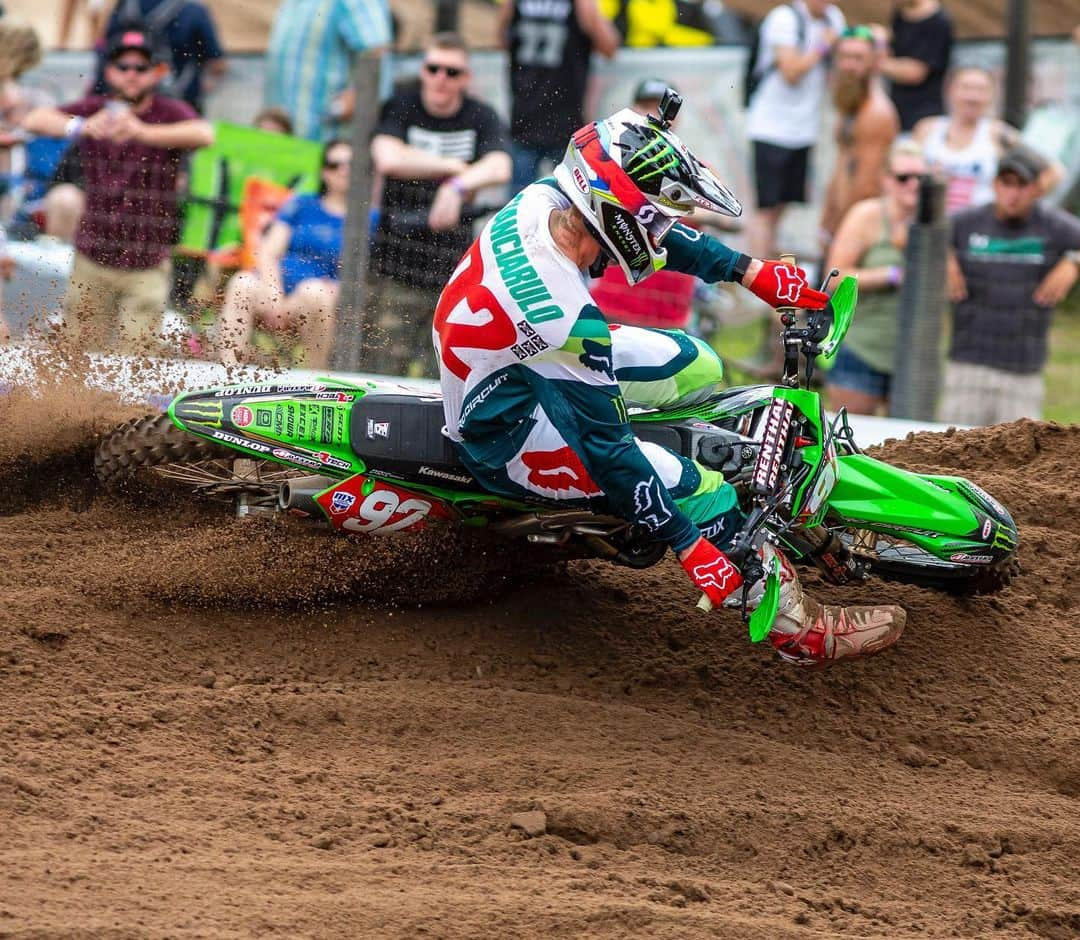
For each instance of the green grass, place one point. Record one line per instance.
(1063, 370)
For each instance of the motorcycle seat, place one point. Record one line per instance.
(402, 433)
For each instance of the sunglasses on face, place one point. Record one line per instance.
(452, 71)
(903, 178)
(335, 164)
(140, 67)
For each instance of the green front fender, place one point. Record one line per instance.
(923, 509)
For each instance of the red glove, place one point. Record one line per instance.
(712, 571)
(784, 285)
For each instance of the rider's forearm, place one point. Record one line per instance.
(693, 252)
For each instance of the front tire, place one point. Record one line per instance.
(895, 560)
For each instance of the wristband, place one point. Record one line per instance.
(73, 128)
(894, 276)
(824, 49)
(740, 267)
(456, 185)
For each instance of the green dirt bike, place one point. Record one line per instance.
(372, 458)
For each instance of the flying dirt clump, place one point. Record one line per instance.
(181, 551)
(48, 440)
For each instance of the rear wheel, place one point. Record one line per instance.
(893, 559)
(147, 454)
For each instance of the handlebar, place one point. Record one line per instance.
(805, 339)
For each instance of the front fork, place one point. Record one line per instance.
(824, 548)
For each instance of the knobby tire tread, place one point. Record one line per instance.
(148, 442)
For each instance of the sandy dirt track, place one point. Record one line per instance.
(185, 751)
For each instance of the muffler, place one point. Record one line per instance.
(299, 494)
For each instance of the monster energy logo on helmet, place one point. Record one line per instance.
(656, 157)
(623, 231)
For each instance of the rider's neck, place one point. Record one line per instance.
(568, 231)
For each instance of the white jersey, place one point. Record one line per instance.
(970, 172)
(514, 298)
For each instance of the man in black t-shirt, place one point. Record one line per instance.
(922, 38)
(1012, 262)
(434, 148)
(550, 43)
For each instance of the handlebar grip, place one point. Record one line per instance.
(705, 604)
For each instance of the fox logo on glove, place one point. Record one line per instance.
(715, 574)
(780, 284)
(789, 282)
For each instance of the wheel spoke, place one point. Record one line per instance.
(219, 478)
(878, 546)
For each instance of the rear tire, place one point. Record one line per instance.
(152, 460)
(149, 442)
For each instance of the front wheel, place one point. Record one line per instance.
(893, 559)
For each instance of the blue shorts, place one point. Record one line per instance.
(851, 372)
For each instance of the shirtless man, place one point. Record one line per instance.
(867, 125)
(965, 144)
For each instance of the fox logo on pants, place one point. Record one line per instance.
(789, 283)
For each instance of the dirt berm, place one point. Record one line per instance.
(211, 729)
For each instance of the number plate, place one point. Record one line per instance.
(360, 504)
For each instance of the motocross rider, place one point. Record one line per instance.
(536, 382)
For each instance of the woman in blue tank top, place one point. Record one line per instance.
(295, 283)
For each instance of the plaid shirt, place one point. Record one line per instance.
(131, 217)
(310, 52)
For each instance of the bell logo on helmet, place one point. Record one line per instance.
(580, 181)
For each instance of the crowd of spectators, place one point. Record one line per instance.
(120, 160)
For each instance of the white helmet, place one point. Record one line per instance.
(633, 178)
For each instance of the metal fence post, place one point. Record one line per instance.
(1017, 61)
(917, 373)
(446, 16)
(349, 334)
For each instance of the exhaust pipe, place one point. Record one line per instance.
(299, 494)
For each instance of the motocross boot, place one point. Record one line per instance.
(811, 634)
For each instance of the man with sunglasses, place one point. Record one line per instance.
(435, 147)
(867, 124)
(131, 142)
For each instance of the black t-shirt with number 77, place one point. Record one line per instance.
(549, 66)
